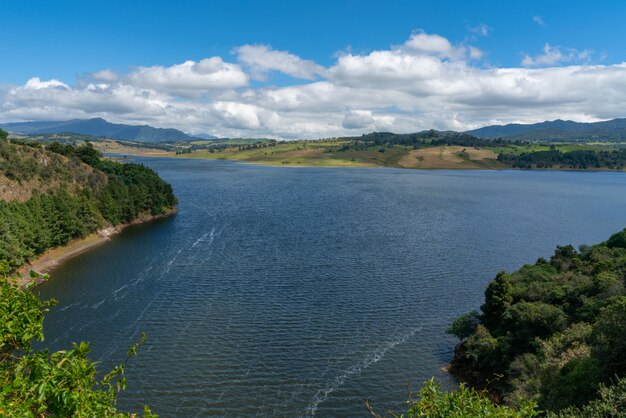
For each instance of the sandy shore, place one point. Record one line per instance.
(53, 258)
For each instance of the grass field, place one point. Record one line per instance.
(307, 153)
(330, 154)
(451, 157)
(230, 141)
(111, 146)
(334, 153)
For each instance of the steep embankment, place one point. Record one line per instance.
(552, 332)
(56, 195)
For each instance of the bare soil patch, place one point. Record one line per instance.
(447, 157)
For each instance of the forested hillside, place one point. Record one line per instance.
(553, 332)
(53, 194)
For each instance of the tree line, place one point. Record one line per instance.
(429, 138)
(578, 159)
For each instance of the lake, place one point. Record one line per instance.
(305, 291)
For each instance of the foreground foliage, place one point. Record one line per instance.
(468, 402)
(462, 403)
(553, 333)
(81, 193)
(42, 384)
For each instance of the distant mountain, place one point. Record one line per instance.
(99, 127)
(557, 130)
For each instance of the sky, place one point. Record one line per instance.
(312, 69)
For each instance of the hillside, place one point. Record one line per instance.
(423, 137)
(421, 150)
(99, 127)
(51, 195)
(26, 171)
(557, 131)
(552, 332)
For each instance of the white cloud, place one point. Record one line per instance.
(481, 29)
(191, 77)
(245, 116)
(106, 75)
(262, 58)
(539, 20)
(358, 119)
(424, 44)
(475, 53)
(426, 82)
(555, 55)
(430, 45)
(35, 83)
(364, 120)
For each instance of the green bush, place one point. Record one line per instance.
(462, 403)
(554, 330)
(617, 240)
(41, 384)
(465, 325)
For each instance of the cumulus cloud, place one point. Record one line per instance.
(191, 77)
(358, 119)
(35, 83)
(431, 45)
(262, 58)
(425, 82)
(554, 56)
(106, 75)
(364, 120)
(422, 43)
(244, 116)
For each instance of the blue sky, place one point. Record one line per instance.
(65, 38)
(64, 42)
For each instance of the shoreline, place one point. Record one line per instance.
(296, 165)
(54, 257)
(365, 165)
(271, 164)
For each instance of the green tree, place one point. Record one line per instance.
(611, 403)
(78, 202)
(465, 325)
(609, 335)
(498, 298)
(617, 240)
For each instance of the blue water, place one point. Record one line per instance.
(305, 291)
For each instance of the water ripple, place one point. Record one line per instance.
(304, 292)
